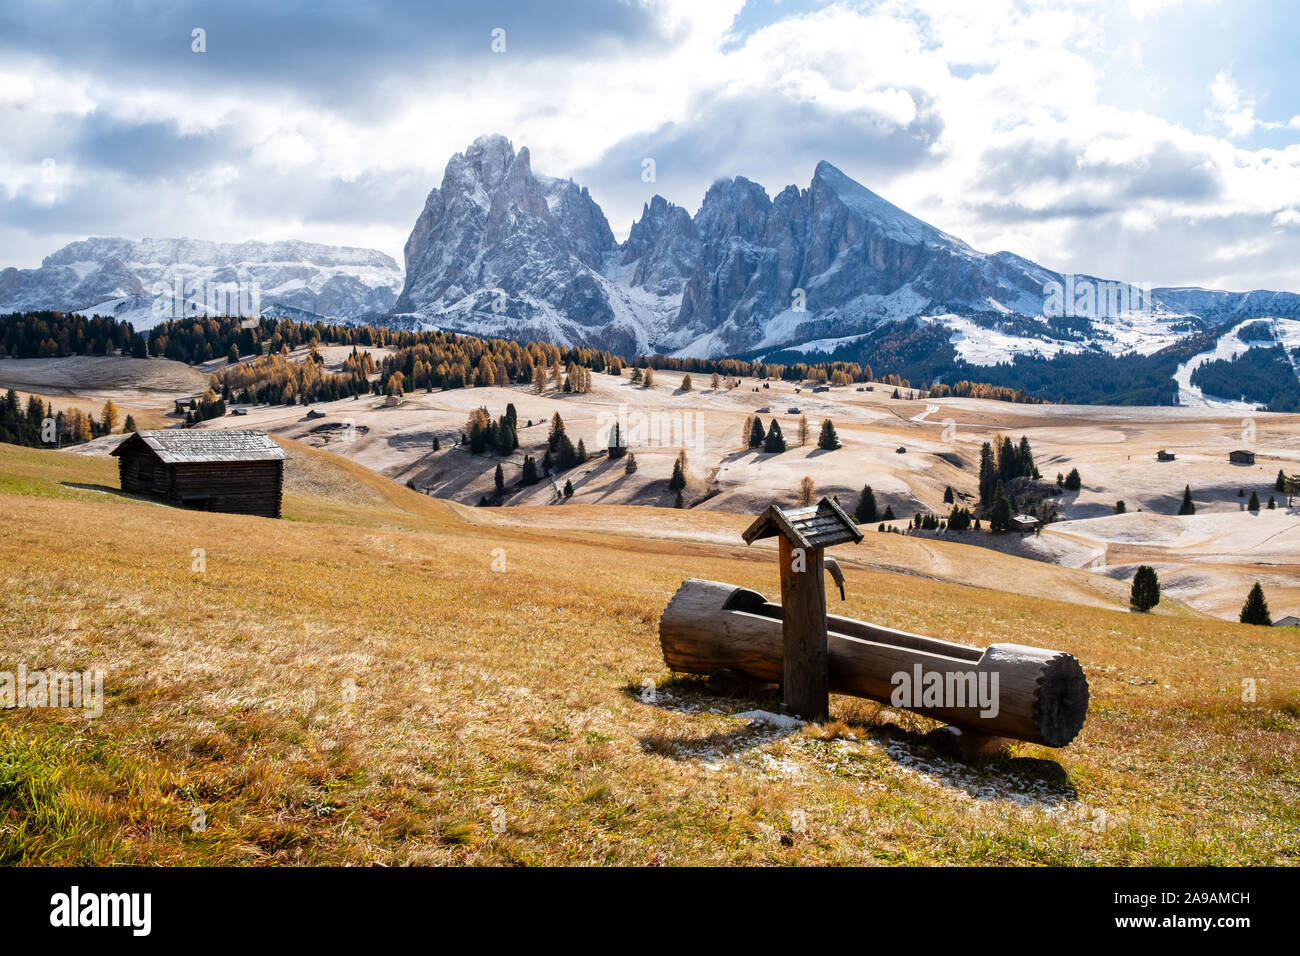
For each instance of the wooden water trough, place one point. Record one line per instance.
(1006, 690)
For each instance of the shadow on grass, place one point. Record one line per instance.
(901, 737)
(109, 490)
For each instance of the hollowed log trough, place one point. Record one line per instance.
(1042, 695)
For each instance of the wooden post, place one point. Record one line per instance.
(805, 668)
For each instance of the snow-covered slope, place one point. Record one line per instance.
(1234, 342)
(148, 280)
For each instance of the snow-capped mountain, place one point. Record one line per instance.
(499, 250)
(149, 280)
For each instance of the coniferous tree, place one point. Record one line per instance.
(775, 441)
(556, 433)
(756, 434)
(678, 502)
(617, 447)
(1000, 513)
(1025, 456)
(678, 480)
(1187, 507)
(828, 440)
(1253, 504)
(506, 438)
(686, 382)
(1280, 484)
(568, 488)
(1255, 610)
(1145, 593)
(129, 426)
(108, 417)
(806, 490)
(1120, 507)
(988, 475)
(889, 513)
(529, 475)
(582, 452)
(803, 430)
(948, 495)
(630, 466)
(499, 480)
(866, 513)
(478, 431)
(567, 456)
(1072, 481)
(437, 446)
(1008, 461)
(1272, 503)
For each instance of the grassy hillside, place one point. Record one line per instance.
(358, 684)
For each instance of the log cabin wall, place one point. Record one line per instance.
(238, 487)
(141, 473)
(226, 484)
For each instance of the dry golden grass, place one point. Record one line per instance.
(358, 684)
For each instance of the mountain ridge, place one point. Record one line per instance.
(136, 280)
(749, 272)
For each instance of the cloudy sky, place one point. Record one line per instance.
(1154, 140)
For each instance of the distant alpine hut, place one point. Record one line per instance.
(1240, 457)
(1163, 455)
(239, 472)
(1024, 523)
(1289, 621)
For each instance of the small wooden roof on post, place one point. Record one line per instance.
(815, 526)
(804, 534)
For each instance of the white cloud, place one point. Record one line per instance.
(1015, 144)
(1232, 109)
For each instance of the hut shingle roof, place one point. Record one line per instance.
(190, 446)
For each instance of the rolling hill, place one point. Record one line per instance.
(390, 678)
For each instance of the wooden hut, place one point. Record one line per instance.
(241, 472)
(1241, 457)
(1024, 523)
(1164, 455)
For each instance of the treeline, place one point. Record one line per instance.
(834, 373)
(40, 425)
(274, 379)
(913, 352)
(26, 335)
(447, 360)
(201, 339)
(1000, 393)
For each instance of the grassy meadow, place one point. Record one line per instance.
(384, 677)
